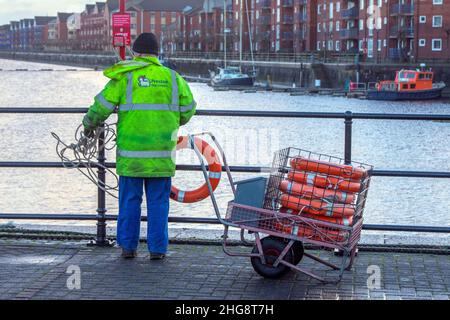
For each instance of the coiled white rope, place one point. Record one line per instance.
(81, 155)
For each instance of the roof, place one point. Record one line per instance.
(100, 5)
(172, 5)
(89, 8)
(62, 16)
(40, 21)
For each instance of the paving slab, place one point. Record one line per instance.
(43, 270)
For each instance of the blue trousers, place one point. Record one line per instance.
(157, 191)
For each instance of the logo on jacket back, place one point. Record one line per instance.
(144, 82)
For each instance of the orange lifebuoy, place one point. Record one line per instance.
(305, 231)
(214, 166)
(319, 207)
(348, 221)
(324, 181)
(300, 189)
(328, 168)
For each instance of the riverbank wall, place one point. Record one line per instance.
(290, 74)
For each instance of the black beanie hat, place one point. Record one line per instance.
(146, 43)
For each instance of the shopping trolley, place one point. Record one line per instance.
(282, 233)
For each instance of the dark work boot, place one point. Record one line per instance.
(157, 256)
(128, 254)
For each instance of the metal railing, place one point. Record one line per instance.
(348, 118)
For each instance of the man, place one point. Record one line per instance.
(153, 102)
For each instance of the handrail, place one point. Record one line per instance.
(348, 116)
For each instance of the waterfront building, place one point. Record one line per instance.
(40, 31)
(15, 35)
(74, 31)
(26, 34)
(93, 31)
(5, 37)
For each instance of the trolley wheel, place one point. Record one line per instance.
(298, 250)
(272, 248)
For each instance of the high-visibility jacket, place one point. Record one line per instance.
(152, 102)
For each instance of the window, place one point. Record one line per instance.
(318, 9)
(338, 45)
(437, 21)
(379, 44)
(331, 10)
(338, 25)
(422, 19)
(318, 27)
(331, 26)
(384, 43)
(318, 45)
(437, 2)
(330, 45)
(422, 42)
(361, 4)
(338, 6)
(436, 45)
(361, 24)
(385, 20)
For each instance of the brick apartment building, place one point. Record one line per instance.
(40, 31)
(5, 37)
(15, 35)
(93, 32)
(26, 34)
(406, 30)
(57, 35)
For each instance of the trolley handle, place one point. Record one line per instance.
(205, 171)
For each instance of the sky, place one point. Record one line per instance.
(11, 10)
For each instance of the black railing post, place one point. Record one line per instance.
(101, 239)
(348, 137)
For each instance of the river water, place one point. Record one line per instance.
(247, 141)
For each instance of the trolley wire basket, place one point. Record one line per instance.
(309, 198)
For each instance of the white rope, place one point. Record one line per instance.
(82, 155)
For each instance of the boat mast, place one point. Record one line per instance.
(240, 34)
(250, 32)
(225, 32)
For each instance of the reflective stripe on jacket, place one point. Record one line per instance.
(152, 102)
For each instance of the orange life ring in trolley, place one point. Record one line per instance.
(324, 181)
(340, 170)
(318, 207)
(299, 189)
(214, 168)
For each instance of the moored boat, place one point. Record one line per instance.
(408, 85)
(232, 76)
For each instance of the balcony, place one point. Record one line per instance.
(349, 33)
(263, 36)
(301, 17)
(265, 4)
(352, 13)
(397, 54)
(302, 2)
(287, 3)
(300, 34)
(287, 36)
(402, 9)
(288, 19)
(401, 32)
(265, 20)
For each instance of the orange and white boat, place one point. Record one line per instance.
(408, 85)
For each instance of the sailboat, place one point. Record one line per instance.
(232, 76)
